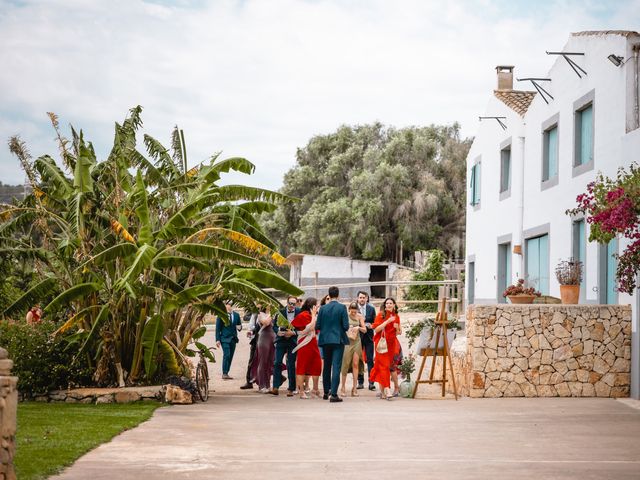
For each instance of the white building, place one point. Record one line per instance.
(309, 270)
(583, 120)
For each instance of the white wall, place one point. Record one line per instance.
(612, 149)
(339, 267)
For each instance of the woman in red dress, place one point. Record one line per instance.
(387, 324)
(308, 361)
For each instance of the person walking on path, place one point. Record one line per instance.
(286, 341)
(252, 334)
(333, 323)
(353, 352)
(227, 337)
(308, 361)
(387, 327)
(368, 311)
(262, 367)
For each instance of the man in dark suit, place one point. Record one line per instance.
(227, 337)
(333, 323)
(286, 341)
(368, 311)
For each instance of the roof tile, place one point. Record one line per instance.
(516, 100)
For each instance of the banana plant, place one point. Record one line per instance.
(134, 251)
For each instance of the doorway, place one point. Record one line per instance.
(378, 273)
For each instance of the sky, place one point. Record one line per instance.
(258, 79)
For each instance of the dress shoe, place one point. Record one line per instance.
(273, 391)
(226, 377)
(246, 386)
(372, 387)
(360, 386)
(335, 399)
(325, 396)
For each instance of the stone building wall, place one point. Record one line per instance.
(8, 419)
(549, 350)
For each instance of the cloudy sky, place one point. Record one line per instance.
(259, 78)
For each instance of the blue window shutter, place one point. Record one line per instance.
(586, 135)
(612, 265)
(552, 153)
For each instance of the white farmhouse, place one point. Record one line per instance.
(526, 167)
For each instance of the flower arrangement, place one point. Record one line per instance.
(569, 272)
(413, 331)
(520, 289)
(408, 366)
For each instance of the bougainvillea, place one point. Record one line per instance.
(612, 208)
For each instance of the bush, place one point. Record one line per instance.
(41, 362)
(433, 270)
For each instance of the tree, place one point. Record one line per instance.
(132, 251)
(366, 190)
(612, 208)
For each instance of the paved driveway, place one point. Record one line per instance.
(247, 435)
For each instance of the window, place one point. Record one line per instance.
(537, 263)
(578, 249)
(550, 153)
(607, 288)
(504, 269)
(475, 185)
(584, 136)
(505, 169)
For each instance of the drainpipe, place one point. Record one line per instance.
(636, 116)
(518, 248)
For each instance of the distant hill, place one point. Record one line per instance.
(9, 192)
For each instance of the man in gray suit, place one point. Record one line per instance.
(333, 323)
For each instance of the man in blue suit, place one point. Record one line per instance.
(227, 337)
(333, 323)
(286, 341)
(368, 311)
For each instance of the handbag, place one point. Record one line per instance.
(352, 333)
(382, 346)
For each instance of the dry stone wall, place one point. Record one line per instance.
(8, 419)
(549, 350)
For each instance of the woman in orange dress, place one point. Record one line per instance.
(308, 361)
(387, 324)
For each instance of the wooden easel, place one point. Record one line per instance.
(440, 331)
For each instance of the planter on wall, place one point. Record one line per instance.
(520, 299)
(570, 294)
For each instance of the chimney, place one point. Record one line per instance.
(505, 77)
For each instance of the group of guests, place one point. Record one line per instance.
(319, 338)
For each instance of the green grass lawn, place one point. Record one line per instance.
(53, 435)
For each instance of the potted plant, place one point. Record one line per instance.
(406, 368)
(569, 275)
(518, 293)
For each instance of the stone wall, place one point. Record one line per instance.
(549, 350)
(8, 412)
(104, 395)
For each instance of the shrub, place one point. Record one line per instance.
(433, 270)
(41, 362)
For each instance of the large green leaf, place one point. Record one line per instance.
(121, 250)
(36, 294)
(232, 193)
(51, 173)
(70, 294)
(151, 337)
(82, 180)
(95, 328)
(200, 250)
(168, 261)
(142, 260)
(145, 234)
(268, 279)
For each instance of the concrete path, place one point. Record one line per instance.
(247, 435)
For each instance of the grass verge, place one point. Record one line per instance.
(53, 435)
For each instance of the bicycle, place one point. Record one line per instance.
(202, 371)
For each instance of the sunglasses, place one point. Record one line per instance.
(292, 303)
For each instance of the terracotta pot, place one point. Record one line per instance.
(521, 298)
(570, 294)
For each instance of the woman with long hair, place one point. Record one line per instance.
(353, 351)
(385, 366)
(308, 362)
(265, 351)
